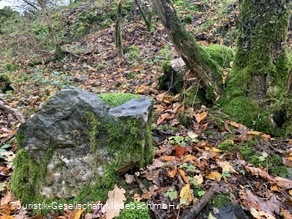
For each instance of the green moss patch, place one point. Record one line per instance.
(221, 54)
(28, 176)
(220, 200)
(227, 146)
(117, 99)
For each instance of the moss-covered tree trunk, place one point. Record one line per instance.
(147, 19)
(195, 57)
(260, 69)
(58, 50)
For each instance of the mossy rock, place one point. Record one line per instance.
(101, 144)
(5, 82)
(221, 54)
(171, 80)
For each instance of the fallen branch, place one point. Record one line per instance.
(13, 111)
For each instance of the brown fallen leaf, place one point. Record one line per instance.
(283, 183)
(183, 175)
(172, 173)
(162, 118)
(286, 214)
(168, 158)
(6, 199)
(188, 158)
(201, 116)
(115, 202)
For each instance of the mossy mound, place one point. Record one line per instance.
(221, 54)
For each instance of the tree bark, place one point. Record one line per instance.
(195, 57)
(58, 50)
(261, 67)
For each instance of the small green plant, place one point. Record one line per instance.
(225, 174)
(166, 66)
(201, 193)
(188, 167)
(165, 53)
(132, 75)
(3, 149)
(180, 140)
(171, 193)
(188, 19)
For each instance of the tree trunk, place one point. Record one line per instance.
(118, 35)
(58, 49)
(260, 69)
(195, 57)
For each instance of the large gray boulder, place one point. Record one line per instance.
(75, 138)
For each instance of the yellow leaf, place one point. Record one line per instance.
(214, 176)
(78, 213)
(186, 195)
(212, 149)
(254, 133)
(142, 89)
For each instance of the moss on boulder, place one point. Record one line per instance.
(52, 166)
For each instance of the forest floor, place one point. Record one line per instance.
(201, 157)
